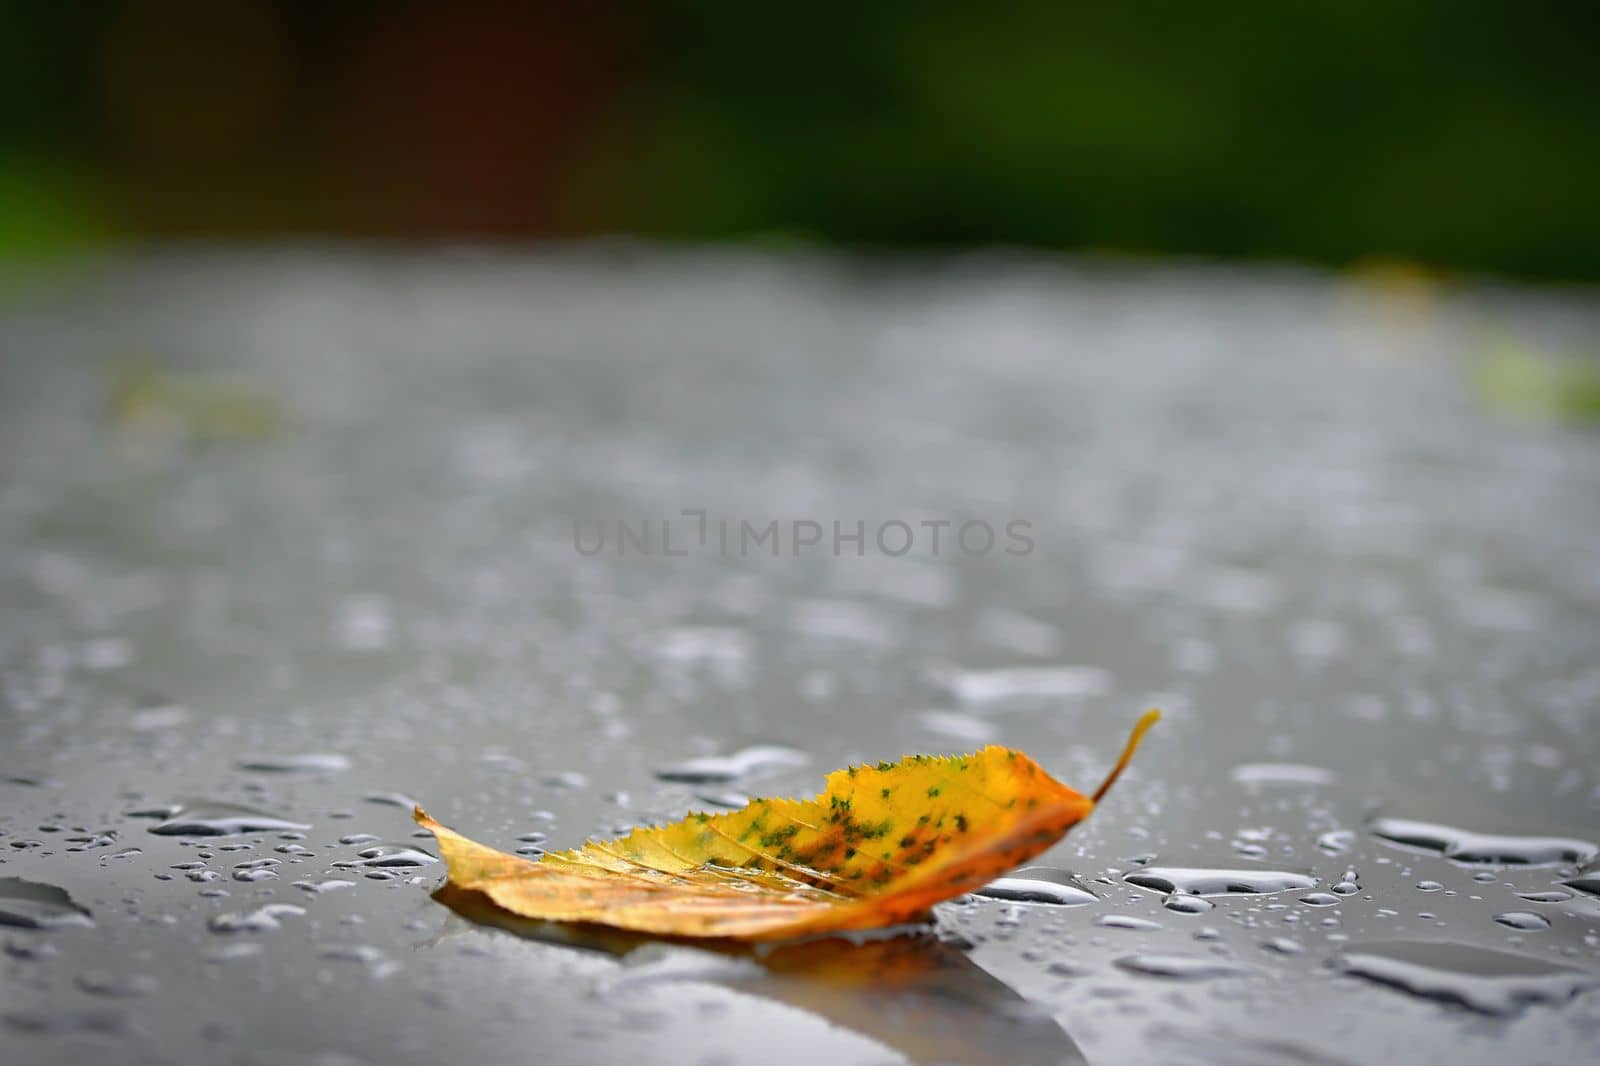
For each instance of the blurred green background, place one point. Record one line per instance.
(1460, 135)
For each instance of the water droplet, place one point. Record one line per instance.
(1282, 945)
(151, 719)
(1203, 881)
(391, 799)
(1524, 920)
(328, 884)
(383, 855)
(1587, 881)
(1491, 982)
(1428, 886)
(230, 952)
(30, 949)
(1126, 921)
(1183, 903)
(359, 838)
(723, 769)
(959, 726)
(1553, 896)
(35, 905)
(1180, 967)
(110, 985)
(317, 762)
(1467, 847)
(208, 818)
(1039, 884)
(376, 962)
(659, 962)
(729, 800)
(255, 870)
(1319, 899)
(257, 921)
(1336, 841)
(1282, 774)
(1025, 685)
(99, 1021)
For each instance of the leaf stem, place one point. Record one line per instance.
(1146, 720)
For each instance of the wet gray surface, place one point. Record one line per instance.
(1266, 502)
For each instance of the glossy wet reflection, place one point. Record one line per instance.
(913, 993)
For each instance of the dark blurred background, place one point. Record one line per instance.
(1459, 135)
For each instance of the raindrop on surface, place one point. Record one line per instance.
(383, 855)
(255, 870)
(328, 884)
(1025, 685)
(100, 983)
(229, 952)
(1491, 982)
(1039, 884)
(1282, 945)
(318, 762)
(352, 953)
(1204, 881)
(1527, 921)
(729, 800)
(35, 905)
(1319, 899)
(30, 949)
(1180, 967)
(392, 799)
(1428, 886)
(99, 1021)
(1587, 881)
(1468, 847)
(207, 818)
(1282, 774)
(257, 921)
(956, 725)
(1183, 903)
(724, 769)
(670, 963)
(1126, 921)
(1553, 896)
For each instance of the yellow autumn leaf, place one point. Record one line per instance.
(880, 846)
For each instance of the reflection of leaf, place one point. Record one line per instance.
(880, 846)
(921, 997)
